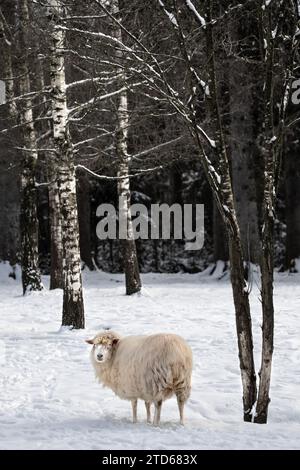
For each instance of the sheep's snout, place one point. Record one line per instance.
(101, 353)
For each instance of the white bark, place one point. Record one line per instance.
(73, 310)
(56, 280)
(130, 261)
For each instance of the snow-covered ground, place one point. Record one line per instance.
(49, 398)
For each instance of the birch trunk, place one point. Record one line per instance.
(267, 281)
(228, 211)
(73, 308)
(129, 252)
(55, 222)
(56, 271)
(267, 263)
(31, 279)
(267, 269)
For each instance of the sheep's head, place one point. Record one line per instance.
(104, 345)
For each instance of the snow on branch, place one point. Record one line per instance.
(92, 139)
(104, 177)
(156, 147)
(97, 34)
(197, 15)
(90, 80)
(210, 141)
(27, 96)
(102, 98)
(266, 4)
(170, 15)
(121, 45)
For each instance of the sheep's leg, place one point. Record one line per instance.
(180, 402)
(148, 409)
(157, 412)
(134, 410)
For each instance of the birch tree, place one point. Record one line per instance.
(73, 308)
(279, 49)
(55, 215)
(129, 253)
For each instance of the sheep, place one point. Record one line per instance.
(151, 368)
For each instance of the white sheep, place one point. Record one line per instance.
(150, 368)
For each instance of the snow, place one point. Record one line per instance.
(216, 175)
(211, 142)
(266, 4)
(50, 399)
(169, 15)
(196, 13)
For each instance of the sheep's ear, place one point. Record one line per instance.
(90, 341)
(115, 341)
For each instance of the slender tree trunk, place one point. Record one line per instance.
(267, 269)
(56, 272)
(31, 279)
(243, 326)
(55, 216)
(73, 309)
(129, 253)
(227, 208)
(267, 281)
(267, 265)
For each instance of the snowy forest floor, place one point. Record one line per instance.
(49, 398)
